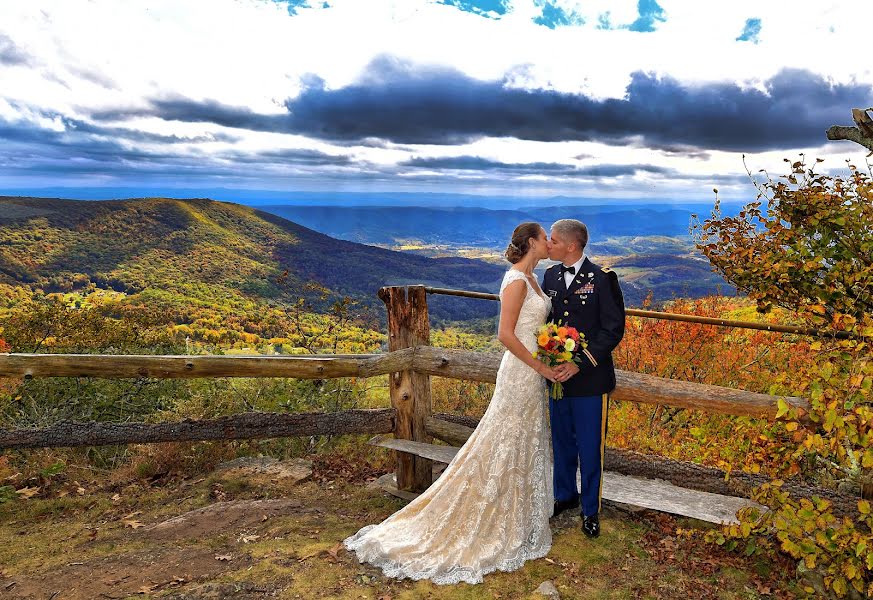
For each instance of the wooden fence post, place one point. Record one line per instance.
(408, 326)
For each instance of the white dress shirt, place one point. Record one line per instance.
(568, 277)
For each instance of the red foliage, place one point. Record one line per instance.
(737, 358)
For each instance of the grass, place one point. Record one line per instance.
(49, 543)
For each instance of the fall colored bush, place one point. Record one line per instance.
(806, 244)
(743, 359)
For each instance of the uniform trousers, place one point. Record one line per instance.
(578, 439)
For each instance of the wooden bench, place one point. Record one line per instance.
(654, 494)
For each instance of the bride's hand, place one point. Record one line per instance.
(547, 372)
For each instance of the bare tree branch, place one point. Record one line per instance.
(852, 134)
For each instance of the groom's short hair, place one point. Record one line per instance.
(573, 229)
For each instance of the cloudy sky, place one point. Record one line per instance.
(589, 98)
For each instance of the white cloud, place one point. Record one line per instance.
(101, 54)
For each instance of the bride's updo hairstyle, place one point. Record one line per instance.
(520, 243)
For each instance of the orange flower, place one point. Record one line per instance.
(555, 346)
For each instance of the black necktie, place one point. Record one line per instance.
(570, 270)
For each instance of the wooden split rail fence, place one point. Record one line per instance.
(409, 364)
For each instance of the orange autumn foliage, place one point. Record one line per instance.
(737, 358)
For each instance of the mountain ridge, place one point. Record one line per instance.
(195, 246)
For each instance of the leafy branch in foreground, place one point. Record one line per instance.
(810, 250)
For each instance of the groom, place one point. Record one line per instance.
(588, 298)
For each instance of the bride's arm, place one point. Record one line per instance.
(510, 307)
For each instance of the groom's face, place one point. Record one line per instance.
(558, 246)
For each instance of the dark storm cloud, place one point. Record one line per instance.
(24, 146)
(477, 163)
(405, 104)
(136, 135)
(290, 156)
(200, 112)
(680, 150)
(618, 170)
(82, 148)
(447, 107)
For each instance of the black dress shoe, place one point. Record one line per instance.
(562, 505)
(591, 526)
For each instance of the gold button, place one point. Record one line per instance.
(566, 314)
(565, 301)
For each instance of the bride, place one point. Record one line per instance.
(490, 509)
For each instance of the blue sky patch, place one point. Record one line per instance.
(650, 13)
(554, 16)
(750, 31)
(293, 5)
(484, 8)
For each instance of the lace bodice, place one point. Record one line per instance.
(490, 508)
(534, 310)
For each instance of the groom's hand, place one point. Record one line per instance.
(565, 371)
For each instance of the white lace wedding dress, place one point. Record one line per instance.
(490, 509)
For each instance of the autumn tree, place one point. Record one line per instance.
(47, 323)
(806, 244)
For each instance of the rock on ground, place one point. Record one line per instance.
(548, 589)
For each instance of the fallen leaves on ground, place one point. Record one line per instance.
(129, 521)
(27, 492)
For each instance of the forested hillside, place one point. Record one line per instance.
(210, 263)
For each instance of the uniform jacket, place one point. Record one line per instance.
(594, 305)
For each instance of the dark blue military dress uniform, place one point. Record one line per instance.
(594, 305)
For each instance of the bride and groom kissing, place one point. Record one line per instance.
(490, 509)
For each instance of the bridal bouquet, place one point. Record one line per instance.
(555, 345)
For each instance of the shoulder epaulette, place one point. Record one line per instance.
(552, 267)
(606, 270)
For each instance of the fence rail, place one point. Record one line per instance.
(120, 366)
(423, 360)
(665, 316)
(409, 364)
(630, 386)
(233, 427)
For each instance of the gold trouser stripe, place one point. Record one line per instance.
(602, 447)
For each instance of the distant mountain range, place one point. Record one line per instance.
(648, 245)
(478, 226)
(201, 251)
(259, 198)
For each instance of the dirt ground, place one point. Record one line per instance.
(274, 530)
